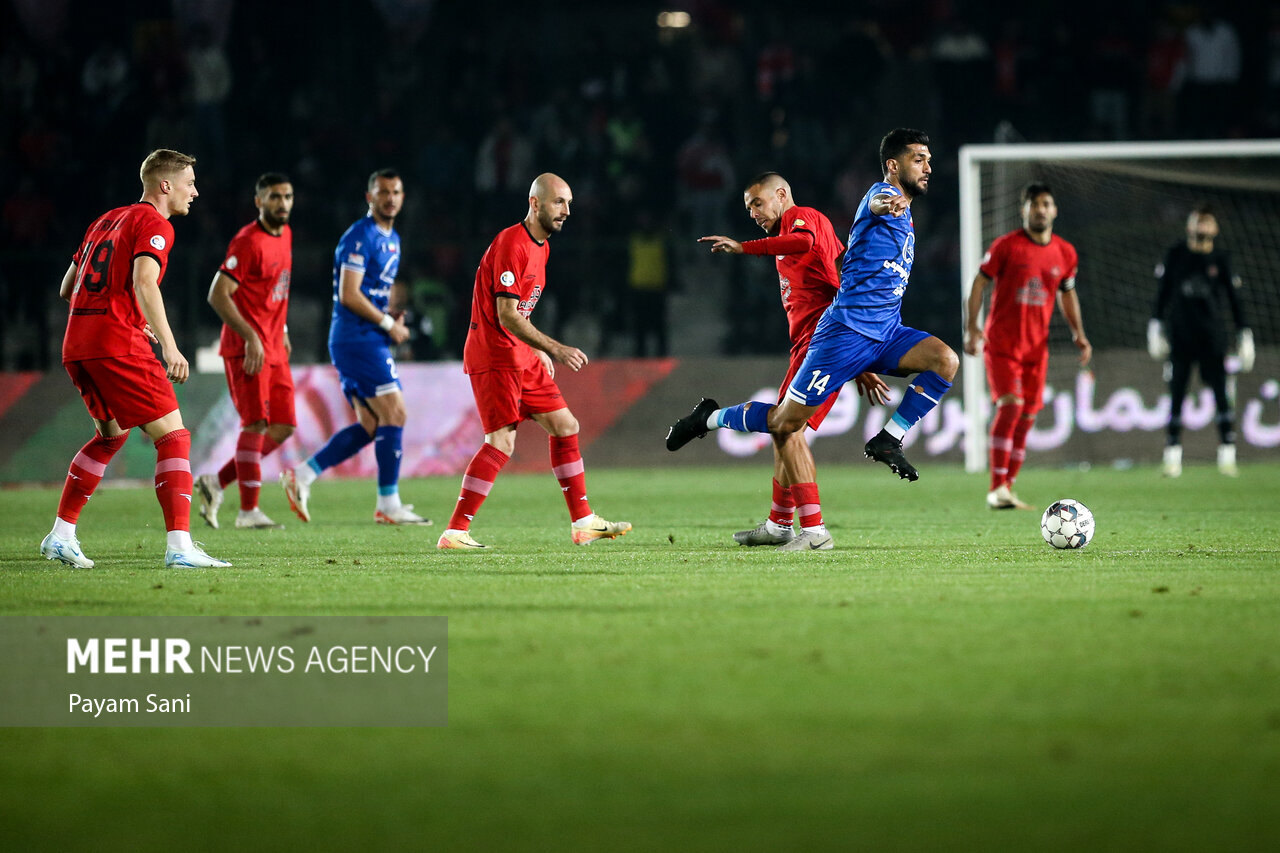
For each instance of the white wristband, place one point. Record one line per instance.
(386, 322)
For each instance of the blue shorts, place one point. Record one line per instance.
(837, 354)
(366, 371)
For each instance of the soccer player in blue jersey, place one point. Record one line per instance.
(861, 331)
(361, 335)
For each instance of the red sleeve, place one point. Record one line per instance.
(509, 264)
(154, 239)
(993, 261)
(239, 257)
(795, 243)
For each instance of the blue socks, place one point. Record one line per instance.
(386, 448)
(340, 447)
(925, 393)
(745, 417)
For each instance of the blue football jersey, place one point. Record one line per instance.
(875, 269)
(375, 254)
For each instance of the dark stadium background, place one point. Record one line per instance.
(655, 128)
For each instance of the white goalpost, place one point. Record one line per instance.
(1122, 204)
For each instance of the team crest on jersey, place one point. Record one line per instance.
(157, 243)
(909, 249)
(799, 223)
(232, 262)
(508, 278)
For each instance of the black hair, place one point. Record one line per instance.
(1034, 189)
(381, 173)
(761, 178)
(897, 142)
(270, 179)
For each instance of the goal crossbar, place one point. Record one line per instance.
(972, 157)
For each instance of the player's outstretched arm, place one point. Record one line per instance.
(722, 245)
(889, 203)
(511, 319)
(146, 289)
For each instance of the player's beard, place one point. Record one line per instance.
(548, 222)
(914, 188)
(274, 221)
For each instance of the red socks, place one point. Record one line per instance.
(783, 511)
(566, 464)
(85, 474)
(1002, 429)
(248, 464)
(227, 473)
(476, 483)
(1018, 454)
(173, 478)
(808, 507)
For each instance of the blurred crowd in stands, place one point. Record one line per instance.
(656, 128)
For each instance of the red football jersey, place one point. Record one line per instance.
(1027, 277)
(514, 266)
(261, 264)
(809, 280)
(105, 320)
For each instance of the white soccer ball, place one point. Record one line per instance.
(1067, 524)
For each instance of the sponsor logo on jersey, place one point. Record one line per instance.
(157, 243)
(1033, 293)
(508, 278)
(232, 262)
(526, 306)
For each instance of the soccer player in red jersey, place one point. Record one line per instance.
(250, 292)
(113, 285)
(1030, 269)
(807, 250)
(512, 368)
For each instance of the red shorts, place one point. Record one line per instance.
(816, 419)
(266, 396)
(132, 390)
(1023, 378)
(506, 397)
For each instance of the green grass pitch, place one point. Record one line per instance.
(943, 680)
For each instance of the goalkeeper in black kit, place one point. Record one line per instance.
(1188, 327)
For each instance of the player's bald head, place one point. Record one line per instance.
(548, 186)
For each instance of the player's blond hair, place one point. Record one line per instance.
(162, 163)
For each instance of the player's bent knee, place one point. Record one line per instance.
(948, 363)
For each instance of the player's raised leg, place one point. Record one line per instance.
(935, 364)
(693, 425)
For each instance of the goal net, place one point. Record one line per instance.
(1122, 205)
